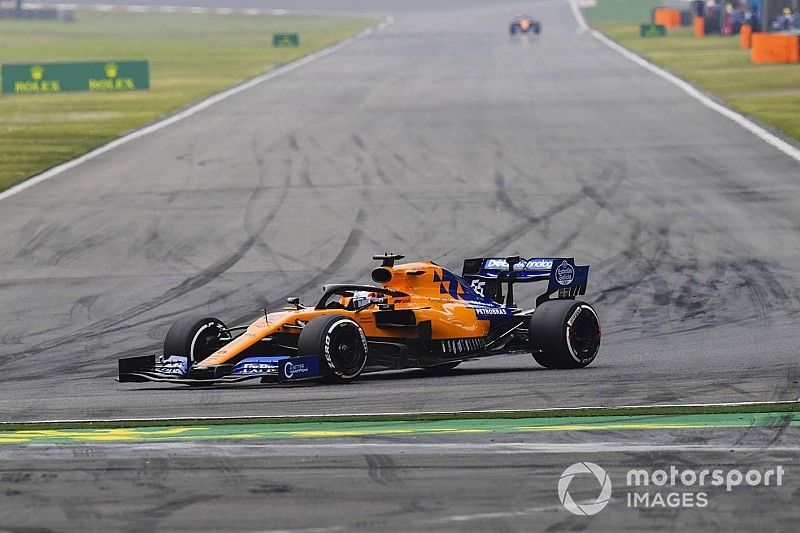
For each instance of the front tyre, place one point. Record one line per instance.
(340, 344)
(195, 338)
(564, 334)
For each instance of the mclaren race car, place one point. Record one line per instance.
(525, 24)
(418, 315)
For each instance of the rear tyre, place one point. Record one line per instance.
(564, 334)
(340, 344)
(195, 338)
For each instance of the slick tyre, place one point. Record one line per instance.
(340, 343)
(564, 334)
(195, 338)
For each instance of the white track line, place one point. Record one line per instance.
(689, 89)
(204, 448)
(495, 448)
(557, 411)
(460, 518)
(172, 119)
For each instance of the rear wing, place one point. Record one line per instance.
(487, 275)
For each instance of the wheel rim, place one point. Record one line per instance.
(583, 334)
(205, 342)
(345, 351)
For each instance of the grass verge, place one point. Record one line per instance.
(715, 64)
(191, 57)
(654, 410)
(362, 429)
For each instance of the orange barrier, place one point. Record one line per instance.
(775, 48)
(746, 36)
(699, 27)
(670, 18)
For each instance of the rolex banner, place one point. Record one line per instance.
(101, 77)
(652, 30)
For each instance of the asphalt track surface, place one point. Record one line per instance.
(442, 483)
(437, 137)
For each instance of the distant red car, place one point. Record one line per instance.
(525, 24)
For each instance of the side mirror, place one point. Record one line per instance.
(294, 300)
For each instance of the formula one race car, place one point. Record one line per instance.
(525, 24)
(421, 315)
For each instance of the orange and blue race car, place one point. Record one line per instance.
(525, 24)
(419, 315)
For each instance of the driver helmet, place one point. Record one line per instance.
(363, 297)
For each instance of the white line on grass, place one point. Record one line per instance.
(172, 119)
(689, 89)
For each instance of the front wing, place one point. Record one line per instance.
(175, 369)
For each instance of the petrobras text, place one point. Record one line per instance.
(482, 311)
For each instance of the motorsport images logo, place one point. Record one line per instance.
(585, 509)
(668, 487)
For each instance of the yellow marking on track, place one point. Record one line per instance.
(399, 428)
(346, 432)
(12, 440)
(590, 427)
(375, 431)
(97, 435)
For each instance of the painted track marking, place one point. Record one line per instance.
(316, 430)
(590, 410)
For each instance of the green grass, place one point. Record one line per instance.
(652, 410)
(634, 11)
(191, 57)
(715, 64)
(272, 430)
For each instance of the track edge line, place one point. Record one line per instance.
(762, 133)
(180, 114)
